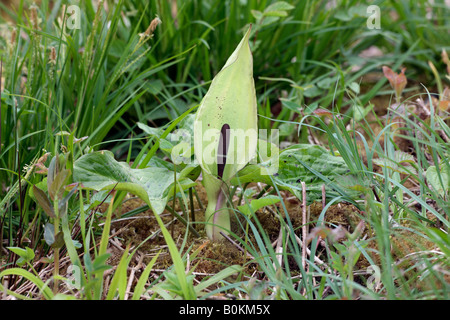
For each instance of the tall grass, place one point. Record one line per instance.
(405, 243)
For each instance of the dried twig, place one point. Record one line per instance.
(130, 280)
(316, 259)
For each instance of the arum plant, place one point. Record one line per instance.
(225, 133)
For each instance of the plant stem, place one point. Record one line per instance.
(191, 200)
(56, 249)
(182, 220)
(217, 215)
(199, 200)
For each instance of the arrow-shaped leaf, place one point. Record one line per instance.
(100, 171)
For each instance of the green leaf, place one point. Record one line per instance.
(278, 9)
(99, 264)
(7, 99)
(360, 112)
(150, 130)
(326, 83)
(100, 171)
(312, 91)
(62, 204)
(343, 15)
(41, 185)
(354, 86)
(291, 105)
(182, 153)
(43, 287)
(268, 19)
(49, 233)
(432, 175)
(97, 199)
(186, 126)
(139, 288)
(56, 176)
(165, 145)
(26, 254)
(401, 163)
(286, 129)
(288, 171)
(30, 254)
(119, 280)
(257, 204)
(59, 240)
(77, 244)
(257, 14)
(225, 273)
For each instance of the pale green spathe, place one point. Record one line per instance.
(231, 100)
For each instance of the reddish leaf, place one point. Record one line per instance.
(397, 81)
(321, 232)
(323, 112)
(57, 186)
(43, 201)
(444, 105)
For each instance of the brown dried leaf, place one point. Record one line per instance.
(42, 169)
(444, 105)
(337, 234)
(398, 81)
(321, 232)
(323, 112)
(446, 94)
